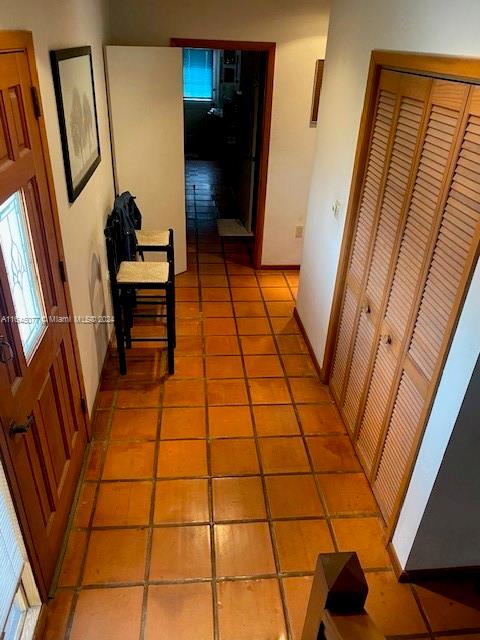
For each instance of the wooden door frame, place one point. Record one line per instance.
(436, 66)
(22, 41)
(268, 48)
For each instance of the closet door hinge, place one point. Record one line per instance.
(37, 109)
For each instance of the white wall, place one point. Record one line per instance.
(434, 26)
(58, 25)
(299, 29)
(452, 508)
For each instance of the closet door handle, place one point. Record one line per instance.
(366, 309)
(386, 338)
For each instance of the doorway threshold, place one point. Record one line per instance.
(230, 227)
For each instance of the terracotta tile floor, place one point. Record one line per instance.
(207, 496)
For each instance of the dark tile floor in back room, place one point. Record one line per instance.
(208, 495)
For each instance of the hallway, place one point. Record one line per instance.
(209, 190)
(207, 496)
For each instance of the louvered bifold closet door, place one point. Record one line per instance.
(373, 182)
(438, 249)
(373, 263)
(409, 138)
(455, 247)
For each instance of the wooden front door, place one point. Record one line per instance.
(43, 433)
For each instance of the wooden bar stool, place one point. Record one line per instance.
(127, 278)
(157, 240)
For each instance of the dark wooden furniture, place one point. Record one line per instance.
(135, 285)
(335, 608)
(156, 240)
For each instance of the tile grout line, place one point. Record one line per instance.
(213, 558)
(211, 580)
(422, 611)
(151, 517)
(276, 557)
(283, 436)
(233, 578)
(181, 406)
(167, 525)
(226, 475)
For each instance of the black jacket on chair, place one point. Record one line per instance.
(127, 217)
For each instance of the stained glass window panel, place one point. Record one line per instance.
(18, 256)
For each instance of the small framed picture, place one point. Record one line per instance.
(317, 85)
(77, 114)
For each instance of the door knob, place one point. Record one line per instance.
(6, 351)
(366, 308)
(25, 427)
(386, 338)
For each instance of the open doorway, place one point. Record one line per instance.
(227, 107)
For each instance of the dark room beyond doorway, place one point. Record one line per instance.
(224, 91)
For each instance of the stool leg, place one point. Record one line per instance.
(128, 321)
(170, 329)
(171, 256)
(174, 323)
(117, 319)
